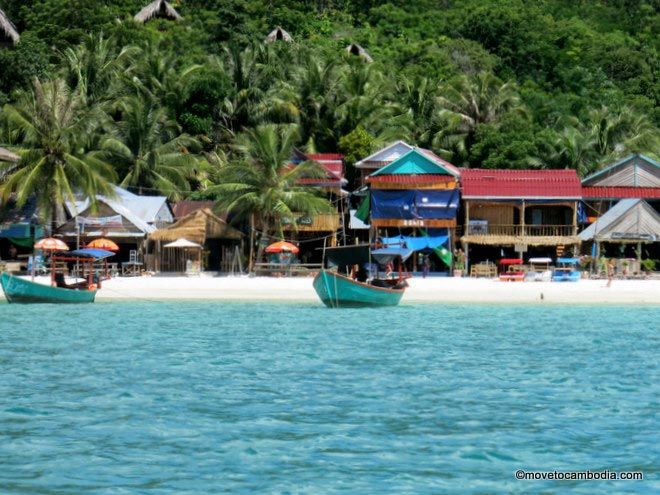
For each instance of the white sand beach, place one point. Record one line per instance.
(429, 290)
(434, 289)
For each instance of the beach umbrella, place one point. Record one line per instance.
(282, 246)
(51, 244)
(183, 243)
(103, 243)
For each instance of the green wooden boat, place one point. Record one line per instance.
(339, 291)
(20, 290)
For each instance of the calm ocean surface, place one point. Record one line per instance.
(208, 397)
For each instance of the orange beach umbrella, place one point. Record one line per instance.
(281, 246)
(51, 244)
(103, 243)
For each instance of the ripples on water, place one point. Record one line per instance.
(174, 398)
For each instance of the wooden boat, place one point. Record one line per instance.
(338, 291)
(566, 270)
(21, 290)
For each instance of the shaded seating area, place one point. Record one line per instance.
(201, 227)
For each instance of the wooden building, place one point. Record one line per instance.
(519, 211)
(415, 199)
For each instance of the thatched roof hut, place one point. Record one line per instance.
(157, 8)
(8, 33)
(198, 226)
(278, 34)
(357, 50)
(8, 156)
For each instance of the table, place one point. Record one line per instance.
(131, 269)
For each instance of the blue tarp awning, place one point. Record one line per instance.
(414, 204)
(97, 254)
(387, 254)
(416, 243)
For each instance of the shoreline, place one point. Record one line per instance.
(429, 290)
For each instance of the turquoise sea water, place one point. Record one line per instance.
(207, 397)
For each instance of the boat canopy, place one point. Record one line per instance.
(97, 254)
(344, 256)
(387, 254)
(540, 260)
(511, 261)
(568, 261)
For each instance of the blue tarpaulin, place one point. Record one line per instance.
(413, 204)
(97, 254)
(416, 243)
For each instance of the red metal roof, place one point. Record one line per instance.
(442, 162)
(325, 156)
(523, 184)
(596, 192)
(410, 179)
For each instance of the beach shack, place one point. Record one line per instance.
(157, 9)
(636, 177)
(630, 230)
(519, 213)
(413, 203)
(125, 218)
(220, 244)
(312, 232)
(278, 34)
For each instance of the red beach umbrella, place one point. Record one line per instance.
(51, 244)
(281, 246)
(103, 243)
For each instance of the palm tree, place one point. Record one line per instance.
(467, 102)
(149, 150)
(575, 149)
(308, 98)
(53, 130)
(413, 112)
(260, 184)
(359, 97)
(93, 67)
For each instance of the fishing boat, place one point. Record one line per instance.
(337, 290)
(566, 270)
(22, 290)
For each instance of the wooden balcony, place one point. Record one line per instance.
(323, 222)
(499, 234)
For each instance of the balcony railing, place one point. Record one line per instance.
(522, 230)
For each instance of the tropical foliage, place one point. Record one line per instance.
(484, 83)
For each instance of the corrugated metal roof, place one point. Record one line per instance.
(631, 216)
(520, 184)
(325, 156)
(596, 192)
(409, 179)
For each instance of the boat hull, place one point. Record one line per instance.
(338, 291)
(19, 290)
(567, 277)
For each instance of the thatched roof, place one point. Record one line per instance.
(8, 156)
(157, 8)
(511, 240)
(198, 226)
(357, 50)
(278, 34)
(7, 29)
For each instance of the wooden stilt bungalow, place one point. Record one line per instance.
(519, 213)
(8, 34)
(278, 34)
(157, 9)
(414, 203)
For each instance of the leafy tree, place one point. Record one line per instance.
(260, 184)
(149, 151)
(51, 127)
(467, 102)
